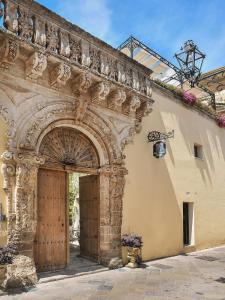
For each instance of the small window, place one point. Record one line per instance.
(198, 153)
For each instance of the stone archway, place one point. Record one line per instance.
(66, 149)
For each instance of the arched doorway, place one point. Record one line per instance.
(66, 150)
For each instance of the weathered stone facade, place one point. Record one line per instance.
(55, 75)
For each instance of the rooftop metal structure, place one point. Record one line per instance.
(169, 73)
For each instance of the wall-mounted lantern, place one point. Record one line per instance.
(159, 140)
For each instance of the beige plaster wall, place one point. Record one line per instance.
(3, 129)
(156, 188)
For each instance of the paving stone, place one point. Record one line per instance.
(182, 278)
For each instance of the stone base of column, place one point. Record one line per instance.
(20, 274)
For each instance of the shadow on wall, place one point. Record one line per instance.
(150, 206)
(156, 188)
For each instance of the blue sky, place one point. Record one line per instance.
(162, 25)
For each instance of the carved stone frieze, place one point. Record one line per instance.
(85, 56)
(94, 58)
(36, 65)
(11, 16)
(64, 43)
(8, 169)
(74, 45)
(121, 72)
(40, 37)
(116, 99)
(105, 64)
(52, 38)
(60, 75)
(131, 105)
(75, 49)
(82, 84)
(100, 92)
(25, 24)
(9, 52)
(81, 105)
(144, 109)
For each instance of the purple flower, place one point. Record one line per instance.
(189, 98)
(221, 121)
(131, 240)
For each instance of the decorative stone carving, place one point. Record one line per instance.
(116, 99)
(113, 71)
(39, 31)
(81, 105)
(144, 109)
(82, 84)
(85, 56)
(121, 73)
(8, 53)
(22, 273)
(148, 87)
(105, 64)
(136, 84)
(25, 24)
(23, 19)
(11, 20)
(94, 58)
(64, 44)
(60, 75)
(8, 169)
(101, 91)
(129, 76)
(75, 49)
(36, 65)
(131, 105)
(68, 146)
(25, 198)
(52, 38)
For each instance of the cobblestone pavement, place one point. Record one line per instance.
(199, 275)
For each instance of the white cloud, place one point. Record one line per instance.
(91, 15)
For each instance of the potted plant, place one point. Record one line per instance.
(7, 254)
(133, 243)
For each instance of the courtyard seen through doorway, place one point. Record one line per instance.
(82, 227)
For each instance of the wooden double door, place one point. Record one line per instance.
(51, 245)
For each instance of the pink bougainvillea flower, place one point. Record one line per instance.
(189, 98)
(221, 121)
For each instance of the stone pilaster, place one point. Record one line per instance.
(111, 211)
(25, 201)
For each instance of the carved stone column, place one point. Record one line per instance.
(25, 201)
(111, 212)
(20, 184)
(9, 172)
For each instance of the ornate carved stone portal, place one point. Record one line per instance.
(67, 97)
(67, 146)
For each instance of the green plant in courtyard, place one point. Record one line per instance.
(73, 194)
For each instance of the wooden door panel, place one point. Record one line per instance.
(51, 237)
(89, 216)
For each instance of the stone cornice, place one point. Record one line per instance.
(57, 37)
